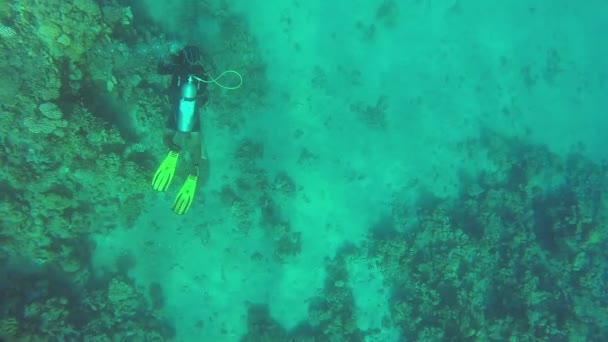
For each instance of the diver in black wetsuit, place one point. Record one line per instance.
(187, 95)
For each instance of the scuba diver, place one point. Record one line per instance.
(187, 95)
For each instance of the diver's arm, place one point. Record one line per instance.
(198, 71)
(202, 98)
(166, 68)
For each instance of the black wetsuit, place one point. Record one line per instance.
(181, 69)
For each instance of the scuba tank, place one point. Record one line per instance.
(186, 113)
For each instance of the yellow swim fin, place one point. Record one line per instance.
(185, 196)
(164, 174)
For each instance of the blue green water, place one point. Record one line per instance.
(388, 171)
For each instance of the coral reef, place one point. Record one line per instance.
(54, 149)
(508, 258)
(8, 327)
(82, 106)
(517, 255)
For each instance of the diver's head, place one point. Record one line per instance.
(191, 55)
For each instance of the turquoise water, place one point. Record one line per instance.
(387, 171)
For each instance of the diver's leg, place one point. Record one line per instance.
(169, 139)
(185, 142)
(203, 147)
(199, 156)
(199, 151)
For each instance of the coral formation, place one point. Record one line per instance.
(511, 257)
(123, 299)
(8, 327)
(505, 259)
(53, 151)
